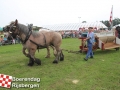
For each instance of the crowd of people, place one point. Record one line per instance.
(5, 39)
(76, 33)
(71, 34)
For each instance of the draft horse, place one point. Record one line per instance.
(32, 41)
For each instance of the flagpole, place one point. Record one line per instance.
(112, 18)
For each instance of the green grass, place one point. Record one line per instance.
(100, 73)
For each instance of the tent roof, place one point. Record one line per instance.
(74, 26)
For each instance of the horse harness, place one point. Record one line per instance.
(27, 37)
(38, 45)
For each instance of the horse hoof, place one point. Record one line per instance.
(47, 56)
(38, 61)
(55, 61)
(30, 64)
(62, 58)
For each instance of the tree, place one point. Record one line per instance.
(116, 21)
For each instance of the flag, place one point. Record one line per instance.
(5, 80)
(111, 16)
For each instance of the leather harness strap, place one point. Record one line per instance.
(38, 45)
(27, 37)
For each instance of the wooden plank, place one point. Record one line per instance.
(113, 46)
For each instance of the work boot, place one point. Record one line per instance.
(91, 56)
(85, 59)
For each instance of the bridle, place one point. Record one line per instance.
(27, 36)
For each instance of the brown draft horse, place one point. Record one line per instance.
(6, 28)
(36, 40)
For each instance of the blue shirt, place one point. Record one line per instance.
(91, 36)
(5, 39)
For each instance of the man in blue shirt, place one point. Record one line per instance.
(90, 41)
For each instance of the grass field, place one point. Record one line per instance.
(100, 73)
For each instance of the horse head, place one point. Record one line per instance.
(12, 28)
(6, 28)
(118, 31)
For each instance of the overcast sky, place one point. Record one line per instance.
(49, 12)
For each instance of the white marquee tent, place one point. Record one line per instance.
(74, 26)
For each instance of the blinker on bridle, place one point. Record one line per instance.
(12, 28)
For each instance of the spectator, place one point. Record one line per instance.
(1, 40)
(71, 34)
(5, 38)
(18, 39)
(13, 41)
(80, 34)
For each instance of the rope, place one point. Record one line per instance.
(71, 51)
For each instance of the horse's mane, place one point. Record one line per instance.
(25, 29)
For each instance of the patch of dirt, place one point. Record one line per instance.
(75, 81)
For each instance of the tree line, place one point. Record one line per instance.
(115, 21)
